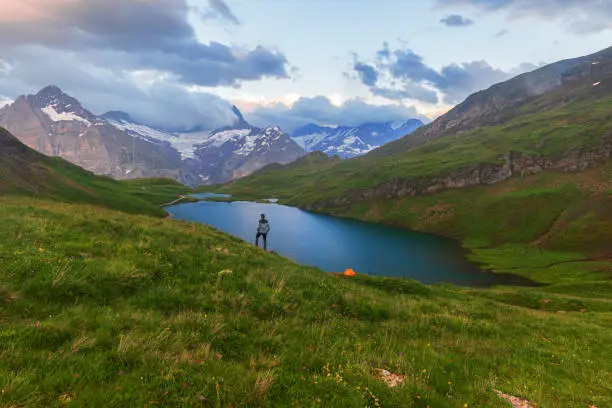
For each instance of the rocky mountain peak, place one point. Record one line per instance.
(59, 106)
(241, 123)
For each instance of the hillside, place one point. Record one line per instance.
(100, 308)
(540, 178)
(25, 172)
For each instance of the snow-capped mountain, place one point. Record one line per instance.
(115, 144)
(57, 124)
(239, 150)
(348, 142)
(219, 155)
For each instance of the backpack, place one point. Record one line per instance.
(263, 227)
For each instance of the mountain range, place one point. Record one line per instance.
(348, 142)
(220, 155)
(116, 145)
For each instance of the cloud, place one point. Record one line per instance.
(152, 34)
(455, 20)
(219, 9)
(408, 90)
(403, 74)
(367, 73)
(321, 110)
(145, 95)
(113, 46)
(580, 16)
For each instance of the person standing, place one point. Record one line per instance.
(262, 231)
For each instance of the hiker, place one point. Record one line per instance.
(262, 230)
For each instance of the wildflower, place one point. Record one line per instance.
(41, 249)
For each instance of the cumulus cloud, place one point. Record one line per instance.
(146, 95)
(403, 74)
(581, 16)
(455, 20)
(321, 110)
(153, 34)
(116, 40)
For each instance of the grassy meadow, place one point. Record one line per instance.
(102, 308)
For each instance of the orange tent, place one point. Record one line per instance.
(349, 272)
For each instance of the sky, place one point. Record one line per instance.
(181, 64)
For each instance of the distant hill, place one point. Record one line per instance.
(25, 172)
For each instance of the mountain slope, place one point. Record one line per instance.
(567, 128)
(546, 88)
(56, 124)
(25, 172)
(347, 142)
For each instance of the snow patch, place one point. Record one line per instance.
(184, 143)
(249, 144)
(219, 139)
(65, 116)
(397, 125)
(308, 142)
(142, 130)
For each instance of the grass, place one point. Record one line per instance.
(103, 308)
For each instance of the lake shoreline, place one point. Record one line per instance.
(483, 277)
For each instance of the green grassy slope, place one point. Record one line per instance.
(25, 172)
(100, 308)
